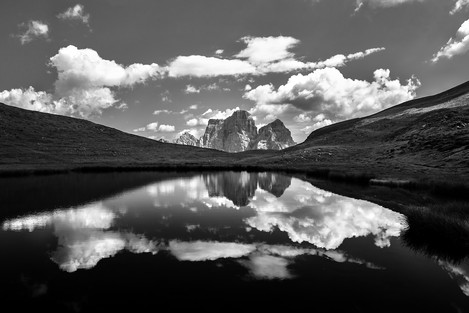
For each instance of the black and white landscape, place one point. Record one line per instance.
(214, 154)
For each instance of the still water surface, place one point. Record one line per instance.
(213, 241)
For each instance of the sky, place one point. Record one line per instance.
(157, 68)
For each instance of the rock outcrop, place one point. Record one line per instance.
(239, 133)
(273, 136)
(233, 134)
(187, 139)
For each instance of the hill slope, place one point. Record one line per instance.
(422, 138)
(32, 140)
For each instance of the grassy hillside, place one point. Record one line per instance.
(423, 139)
(33, 140)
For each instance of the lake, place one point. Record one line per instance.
(215, 241)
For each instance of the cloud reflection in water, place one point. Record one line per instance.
(307, 214)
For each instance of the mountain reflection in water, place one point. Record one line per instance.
(263, 222)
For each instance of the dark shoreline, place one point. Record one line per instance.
(439, 188)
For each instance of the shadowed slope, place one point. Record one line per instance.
(34, 139)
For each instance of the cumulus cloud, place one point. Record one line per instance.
(166, 128)
(77, 13)
(33, 30)
(155, 127)
(202, 120)
(459, 5)
(262, 55)
(261, 50)
(83, 86)
(328, 94)
(455, 46)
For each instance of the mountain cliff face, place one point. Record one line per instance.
(232, 134)
(211, 138)
(273, 136)
(239, 133)
(187, 139)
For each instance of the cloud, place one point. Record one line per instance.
(202, 120)
(84, 68)
(33, 30)
(155, 127)
(459, 6)
(261, 50)
(327, 92)
(191, 89)
(455, 46)
(202, 66)
(158, 112)
(262, 55)
(83, 86)
(205, 250)
(77, 13)
(166, 128)
(219, 51)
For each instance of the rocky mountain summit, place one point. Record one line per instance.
(187, 139)
(273, 136)
(239, 133)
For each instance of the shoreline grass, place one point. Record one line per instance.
(439, 188)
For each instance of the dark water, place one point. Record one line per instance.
(212, 241)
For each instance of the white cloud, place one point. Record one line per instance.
(84, 68)
(194, 122)
(158, 112)
(301, 118)
(166, 128)
(76, 12)
(202, 66)
(218, 114)
(262, 55)
(84, 83)
(202, 119)
(155, 127)
(326, 91)
(219, 51)
(191, 89)
(33, 30)
(459, 6)
(261, 50)
(457, 45)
